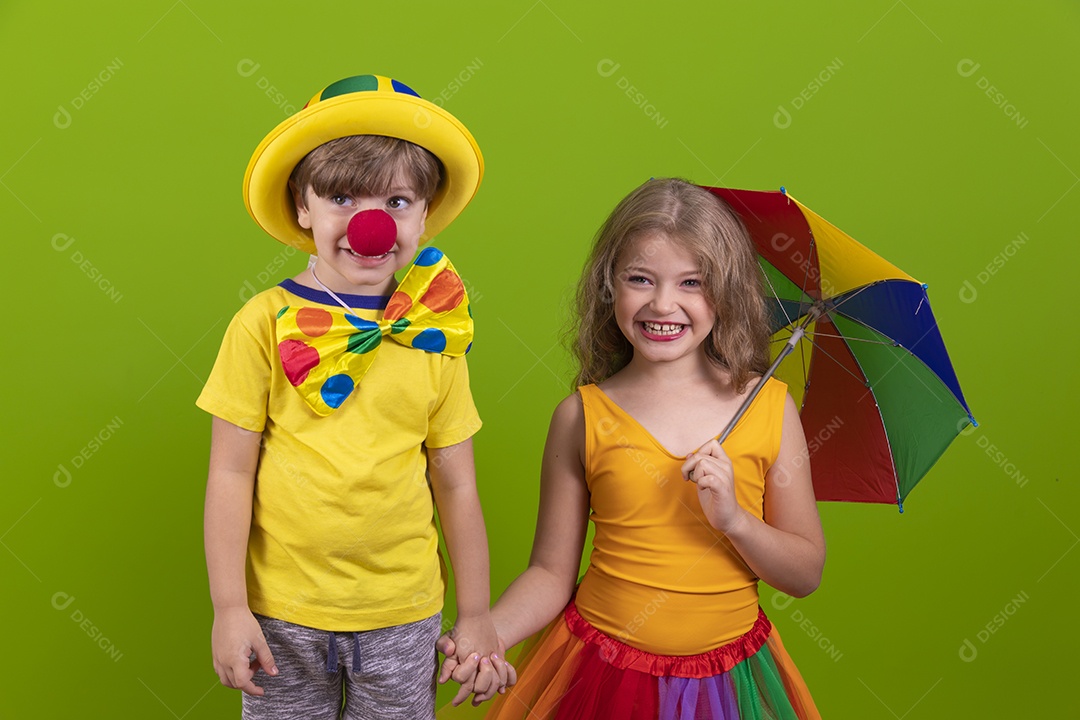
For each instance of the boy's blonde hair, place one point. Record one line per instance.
(711, 231)
(366, 165)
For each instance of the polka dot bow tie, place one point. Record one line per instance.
(325, 352)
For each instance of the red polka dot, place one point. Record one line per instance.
(313, 322)
(297, 359)
(445, 293)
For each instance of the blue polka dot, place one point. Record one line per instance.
(429, 256)
(360, 323)
(336, 389)
(431, 340)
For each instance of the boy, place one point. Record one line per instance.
(331, 403)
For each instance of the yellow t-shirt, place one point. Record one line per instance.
(342, 532)
(660, 578)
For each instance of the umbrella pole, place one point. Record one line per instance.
(784, 352)
(796, 336)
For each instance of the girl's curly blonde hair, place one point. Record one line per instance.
(710, 230)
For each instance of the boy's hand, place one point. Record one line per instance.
(446, 646)
(235, 638)
(481, 674)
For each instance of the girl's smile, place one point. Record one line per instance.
(662, 332)
(660, 305)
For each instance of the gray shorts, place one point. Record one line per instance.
(386, 673)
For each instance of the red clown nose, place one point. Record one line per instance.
(372, 232)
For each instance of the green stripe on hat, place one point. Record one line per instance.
(357, 83)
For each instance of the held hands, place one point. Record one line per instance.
(475, 658)
(235, 638)
(710, 468)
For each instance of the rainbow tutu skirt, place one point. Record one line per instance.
(576, 672)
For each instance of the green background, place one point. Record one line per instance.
(127, 127)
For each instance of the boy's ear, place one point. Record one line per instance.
(303, 218)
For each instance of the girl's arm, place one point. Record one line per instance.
(539, 593)
(787, 550)
(234, 457)
(536, 596)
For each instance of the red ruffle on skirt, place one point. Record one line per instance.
(576, 672)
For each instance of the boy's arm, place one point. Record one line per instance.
(453, 483)
(234, 457)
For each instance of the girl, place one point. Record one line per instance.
(671, 334)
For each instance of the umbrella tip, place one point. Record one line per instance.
(783, 190)
(972, 419)
(900, 505)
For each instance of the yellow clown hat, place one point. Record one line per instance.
(360, 105)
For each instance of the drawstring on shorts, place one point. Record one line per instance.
(332, 661)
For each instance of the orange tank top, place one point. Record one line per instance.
(660, 578)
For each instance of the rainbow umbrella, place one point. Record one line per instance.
(858, 346)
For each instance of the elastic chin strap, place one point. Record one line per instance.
(331, 293)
